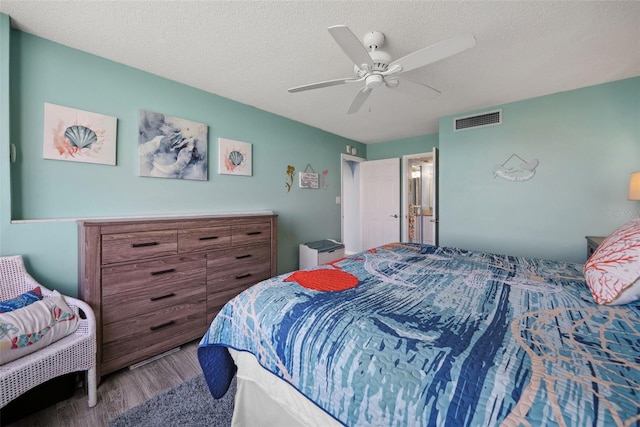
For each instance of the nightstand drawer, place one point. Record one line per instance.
(133, 246)
(325, 257)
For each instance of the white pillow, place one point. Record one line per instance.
(35, 326)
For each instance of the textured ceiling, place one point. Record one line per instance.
(253, 51)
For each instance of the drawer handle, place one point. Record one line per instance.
(162, 325)
(253, 233)
(172, 294)
(243, 276)
(156, 273)
(208, 238)
(142, 245)
(243, 256)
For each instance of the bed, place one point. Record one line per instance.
(419, 335)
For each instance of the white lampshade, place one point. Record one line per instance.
(634, 186)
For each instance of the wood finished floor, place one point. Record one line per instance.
(119, 392)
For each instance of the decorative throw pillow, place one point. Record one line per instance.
(21, 301)
(35, 326)
(613, 270)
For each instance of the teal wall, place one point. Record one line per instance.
(587, 142)
(37, 192)
(401, 147)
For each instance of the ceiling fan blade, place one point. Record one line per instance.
(319, 85)
(414, 89)
(435, 52)
(351, 45)
(359, 100)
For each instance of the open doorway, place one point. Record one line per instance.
(419, 198)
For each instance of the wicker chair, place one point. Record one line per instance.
(75, 352)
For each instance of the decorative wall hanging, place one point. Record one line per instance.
(308, 179)
(234, 157)
(78, 136)
(290, 173)
(171, 147)
(324, 179)
(515, 168)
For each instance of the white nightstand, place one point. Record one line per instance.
(592, 244)
(320, 252)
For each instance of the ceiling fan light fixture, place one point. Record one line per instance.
(374, 80)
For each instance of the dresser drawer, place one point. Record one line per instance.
(198, 239)
(250, 233)
(133, 246)
(154, 330)
(141, 287)
(237, 267)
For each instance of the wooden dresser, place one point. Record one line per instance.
(157, 283)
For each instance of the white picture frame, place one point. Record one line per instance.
(78, 136)
(234, 157)
(308, 180)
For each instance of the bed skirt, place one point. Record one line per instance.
(264, 399)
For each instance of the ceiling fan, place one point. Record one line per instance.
(375, 68)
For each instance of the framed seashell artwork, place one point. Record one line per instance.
(78, 136)
(234, 157)
(171, 147)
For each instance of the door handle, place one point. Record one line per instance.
(394, 216)
(434, 220)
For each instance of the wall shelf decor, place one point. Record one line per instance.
(515, 168)
(308, 178)
(290, 173)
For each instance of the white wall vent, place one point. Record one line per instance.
(490, 118)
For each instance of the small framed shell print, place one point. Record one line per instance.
(234, 157)
(78, 136)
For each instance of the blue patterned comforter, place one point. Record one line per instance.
(439, 336)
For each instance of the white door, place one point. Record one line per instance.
(380, 202)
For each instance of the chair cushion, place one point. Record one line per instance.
(31, 328)
(613, 270)
(21, 301)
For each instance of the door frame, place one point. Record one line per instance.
(347, 178)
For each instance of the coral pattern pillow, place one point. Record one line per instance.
(613, 270)
(35, 326)
(21, 301)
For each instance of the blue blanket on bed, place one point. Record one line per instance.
(407, 335)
